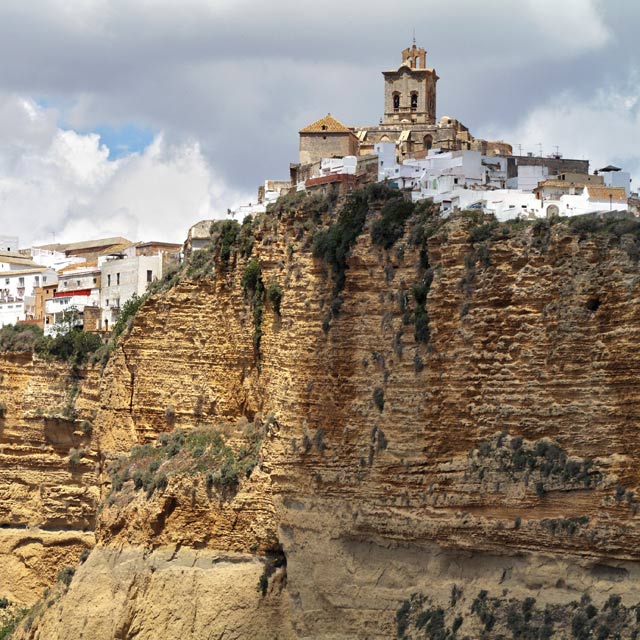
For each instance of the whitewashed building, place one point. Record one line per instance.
(124, 276)
(19, 287)
(78, 288)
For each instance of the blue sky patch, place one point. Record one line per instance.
(124, 139)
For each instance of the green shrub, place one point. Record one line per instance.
(75, 346)
(222, 467)
(274, 293)
(19, 338)
(334, 244)
(389, 228)
(482, 232)
(252, 276)
(225, 233)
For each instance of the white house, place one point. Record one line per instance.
(11, 312)
(122, 277)
(15, 285)
(78, 288)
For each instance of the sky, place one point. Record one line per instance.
(140, 117)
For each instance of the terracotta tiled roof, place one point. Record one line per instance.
(100, 243)
(79, 266)
(118, 248)
(14, 258)
(562, 183)
(605, 193)
(328, 124)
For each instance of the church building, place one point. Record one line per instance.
(409, 120)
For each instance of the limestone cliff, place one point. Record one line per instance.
(48, 480)
(452, 433)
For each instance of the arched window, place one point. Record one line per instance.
(396, 102)
(414, 101)
(428, 141)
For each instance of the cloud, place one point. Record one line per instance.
(59, 182)
(230, 82)
(604, 129)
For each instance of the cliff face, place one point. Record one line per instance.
(492, 453)
(47, 496)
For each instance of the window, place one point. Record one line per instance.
(149, 275)
(37, 281)
(396, 102)
(107, 302)
(44, 278)
(108, 280)
(95, 280)
(117, 278)
(21, 282)
(414, 102)
(78, 283)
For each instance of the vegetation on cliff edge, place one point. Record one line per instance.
(206, 450)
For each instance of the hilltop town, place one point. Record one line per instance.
(87, 283)
(439, 159)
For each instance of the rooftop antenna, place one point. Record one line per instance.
(414, 36)
(540, 148)
(519, 149)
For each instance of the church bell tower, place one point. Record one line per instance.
(410, 91)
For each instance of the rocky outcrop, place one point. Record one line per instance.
(462, 413)
(170, 593)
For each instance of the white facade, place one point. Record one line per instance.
(11, 312)
(55, 259)
(61, 305)
(121, 279)
(78, 287)
(333, 166)
(15, 285)
(528, 177)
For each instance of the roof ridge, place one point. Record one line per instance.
(326, 124)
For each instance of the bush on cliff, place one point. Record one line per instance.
(204, 450)
(388, 229)
(75, 346)
(19, 338)
(274, 293)
(334, 244)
